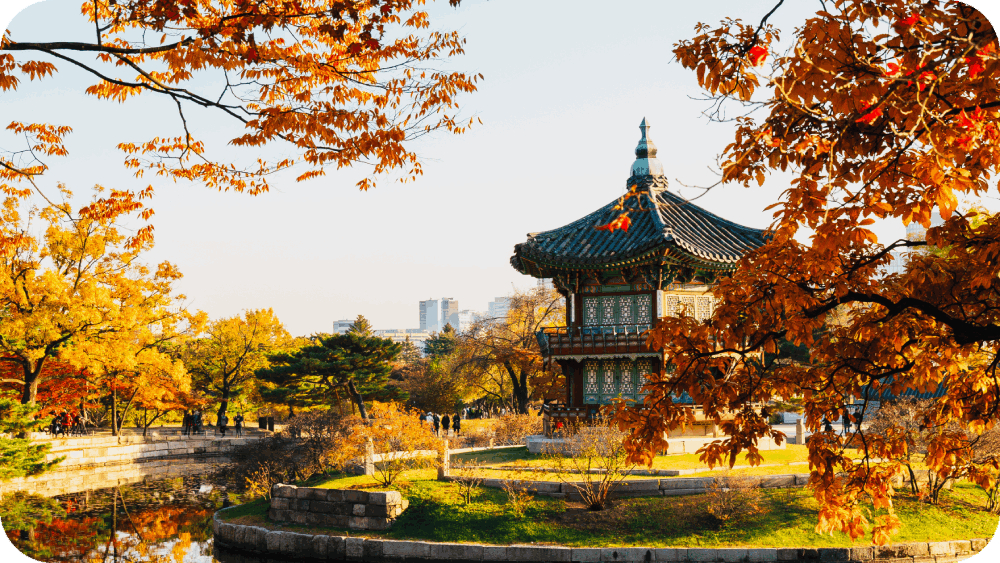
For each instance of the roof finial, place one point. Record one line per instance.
(646, 163)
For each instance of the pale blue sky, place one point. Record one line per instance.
(566, 85)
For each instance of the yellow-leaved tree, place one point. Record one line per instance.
(79, 291)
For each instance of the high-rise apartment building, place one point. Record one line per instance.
(449, 312)
(430, 315)
(342, 326)
(498, 308)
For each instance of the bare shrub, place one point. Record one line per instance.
(514, 428)
(258, 482)
(735, 498)
(469, 479)
(519, 495)
(593, 461)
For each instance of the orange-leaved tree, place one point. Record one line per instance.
(328, 83)
(79, 291)
(880, 111)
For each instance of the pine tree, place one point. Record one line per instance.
(19, 456)
(361, 327)
(442, 343)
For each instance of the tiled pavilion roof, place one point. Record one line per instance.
(661, 220)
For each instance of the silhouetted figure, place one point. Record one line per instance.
(456, 423)
(238, 421)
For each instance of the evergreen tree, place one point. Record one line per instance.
(316, 374)
(409, 353)
(361, 327)
(442, 343)
(19, 456)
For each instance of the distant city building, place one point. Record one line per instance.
(417, 337)
(914, 232)
(466, 318)
(449, 312)
(430, 315)
(342, 326)
(545, 283)
(498, 308)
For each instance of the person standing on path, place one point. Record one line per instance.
(223, 421)
(456, 423)
(446, 425)
(239, 424)
(437, 425)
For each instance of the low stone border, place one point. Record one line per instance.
(296, 545)
(644, 487)
(646, 472)
(340, 508)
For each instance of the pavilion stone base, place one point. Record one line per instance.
(681, 445)
(340, 508)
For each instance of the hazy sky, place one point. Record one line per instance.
(566, 85)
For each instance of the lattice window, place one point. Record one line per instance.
(703, 308)
(644, 308)
(626, 313)
(687, 303)
(670, 302)
(608, 310)
(643, 368)
(590, 378)
(590, 311)
(628, 379)
(608, 371)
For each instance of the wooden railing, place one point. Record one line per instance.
(611, 339)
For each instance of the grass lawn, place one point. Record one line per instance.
(436, 513)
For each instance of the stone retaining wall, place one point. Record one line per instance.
(342, 508)
(646, 487)
(95, 462)
(285, 545)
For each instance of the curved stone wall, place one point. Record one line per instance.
(284, 545)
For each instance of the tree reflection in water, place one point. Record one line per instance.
(167, 520)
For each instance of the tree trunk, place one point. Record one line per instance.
(358, 399)
(32, 377)
(114, 411)
(520, 392)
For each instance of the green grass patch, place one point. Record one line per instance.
(253, 508)
(436, 513)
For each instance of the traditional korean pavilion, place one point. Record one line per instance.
(616, 282)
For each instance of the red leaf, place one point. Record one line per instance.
(372, 44)
(914, 18)
(621, 222)
(893, 69)
(757, 55)
(870, 117)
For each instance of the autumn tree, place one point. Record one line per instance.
(441, 343)
(316, 374)
(79, 285)
(880, 111)
(329, 83)
(223, 361)
(508, 348)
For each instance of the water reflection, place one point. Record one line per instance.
(166, 520)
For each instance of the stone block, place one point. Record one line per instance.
(336, 548)
(834, 554)
(357, 523)
(778, 481)
(299, 517)
(356, 497)
(272, 541)
(337, 520)
(699, 554)
(585, 555)
(334, 495)
(285, 491)
(315, 519)
(322, 506)
(495, 553)
(279, 503)
(537, 553)
(358, 510)
(372, 550)
(377, 510)
(899, 551)
(303, 493)
(315, 494)
(393, 549)
(494, 483)
(648, 485)
(787, 554)
(960, 547)
(732, 554)
(762, 555)
(978, 544)
(546, 487)
(685, 483)
(354, 548)
(301, 504)
(460, 551)
(801, 479)
(865, 553)
(301, 544)
(375, 523)
(939, 548)
(627, 554)
(383, 498)
(279, 515)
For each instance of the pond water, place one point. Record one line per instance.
(162, 520)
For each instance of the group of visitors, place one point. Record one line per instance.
(443, 425)
(66, 424)
(193, 424)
